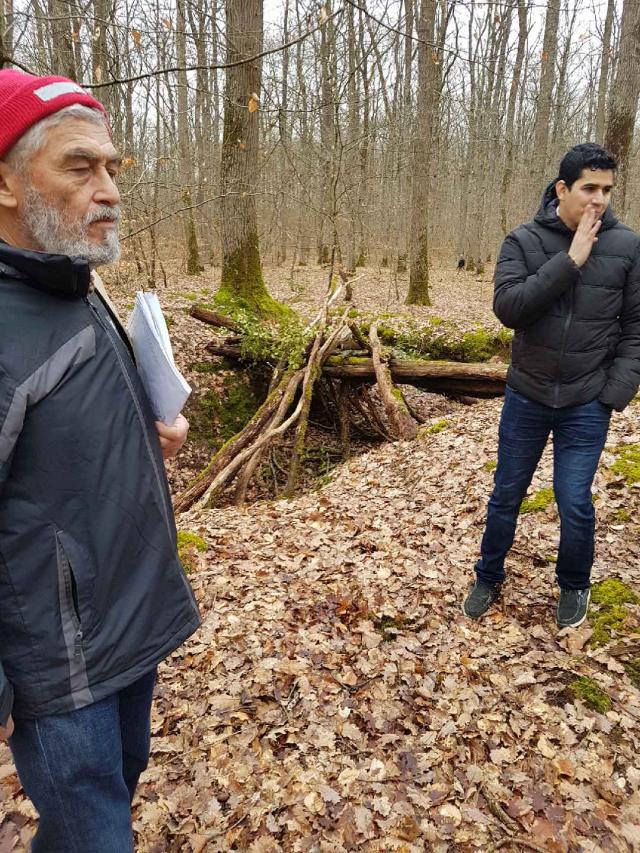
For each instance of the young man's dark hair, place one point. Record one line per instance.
(568, 283)
(587, 155)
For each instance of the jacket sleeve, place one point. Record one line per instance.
(520, 299)
(12, 409)
(623, 377)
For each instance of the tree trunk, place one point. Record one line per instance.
(64, 62)
(427, 95)
(242, 280)
(545, 96)
(603, 81)
(624, 99)
(186, 166)
(6, 32)
(511, 109)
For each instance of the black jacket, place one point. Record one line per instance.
(92, 594)
(577, 330)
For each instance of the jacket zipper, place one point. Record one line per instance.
(77, 624)
(140, 414)
(565, 332)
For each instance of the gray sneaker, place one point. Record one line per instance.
(480, 598)
(573, 607)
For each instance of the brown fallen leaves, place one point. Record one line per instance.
(336, 699)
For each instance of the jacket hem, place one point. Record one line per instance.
(103, 689)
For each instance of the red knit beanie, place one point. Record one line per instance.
(25, 100)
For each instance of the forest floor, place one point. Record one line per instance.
(336, 698)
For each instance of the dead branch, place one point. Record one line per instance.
(244, 438)
(359, 338)
(212, 318)
(399, 417)
(343, 418)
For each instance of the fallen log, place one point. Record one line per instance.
(212, 318)
(476, 379)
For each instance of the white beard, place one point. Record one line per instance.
(55, 234)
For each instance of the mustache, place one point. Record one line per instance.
(103, 213)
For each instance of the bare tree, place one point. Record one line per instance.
(241, 266)
(427, 94)
(186, 166)
(6, 32)
(545, 93)
(624, 98)
(603, 80)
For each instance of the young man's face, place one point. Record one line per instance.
(68, 202)
(591, 190)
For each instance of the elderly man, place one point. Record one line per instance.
(93, 596)
(569, 284)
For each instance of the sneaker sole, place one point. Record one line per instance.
(580, 621)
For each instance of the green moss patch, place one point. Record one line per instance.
(204, 367)
(611, 611)
(593, 696)
(388, 626)
(438, 426)
(217, 415)
(613, 591)
(187, 539)
(189, 546)
(490, 465)
(538, 501)
(628, 463)
(632, 668)
(622, 515)
(440, 340)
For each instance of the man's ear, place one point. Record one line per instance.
(8, 184)
(561, 189)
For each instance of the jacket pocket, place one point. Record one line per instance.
(68, 601)
(72, 626)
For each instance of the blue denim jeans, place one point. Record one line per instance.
(579, 435)
(81, 769)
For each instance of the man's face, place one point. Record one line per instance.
(591, 190)
(68, 202)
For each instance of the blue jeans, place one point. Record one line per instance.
(81, 769)
(579, 435)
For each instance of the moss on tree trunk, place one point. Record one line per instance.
(419, 276)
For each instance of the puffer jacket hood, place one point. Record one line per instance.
(577, 330)
(93, 594)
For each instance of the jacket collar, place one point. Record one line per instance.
(61, 275)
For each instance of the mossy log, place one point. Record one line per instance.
(480, 380)
(447, 377)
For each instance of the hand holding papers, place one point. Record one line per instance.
(166, 387)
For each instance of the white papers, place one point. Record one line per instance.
(166, 387)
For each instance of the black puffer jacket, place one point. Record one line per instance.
(577, 330)
(92, 595)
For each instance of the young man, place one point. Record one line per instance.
(569, 284)
(92, 595)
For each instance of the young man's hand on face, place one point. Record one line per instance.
(585, 236)
(172, 437)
